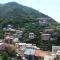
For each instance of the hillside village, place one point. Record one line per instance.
(27, 34)
(13, 44)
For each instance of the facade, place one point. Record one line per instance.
(31, 35)
(2, 47)
(49, 58)
(45, 36)
(55, 49)
(22, 46)
(58, 55)
(15, 40)
(8, 39)
(58, 27)
(19, 33)
(56, 52)
(9, 28)
(43, 21)
(29, 53)
(28, 50)
(7, 34)
(53, 36)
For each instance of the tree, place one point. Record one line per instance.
(4, 56)
(11, 50)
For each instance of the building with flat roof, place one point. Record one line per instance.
(45, 36)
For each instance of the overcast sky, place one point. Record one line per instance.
(48, 7)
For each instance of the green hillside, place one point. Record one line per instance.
(25, 17)
(15, 13)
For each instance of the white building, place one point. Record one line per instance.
(9, 28)
(43, 21)
(22, 46)
(31, 35)
(48, 58)
(55, 49)
(19, 33)
(15, 40)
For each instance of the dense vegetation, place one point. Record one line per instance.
(17, 14)
(24, 17)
